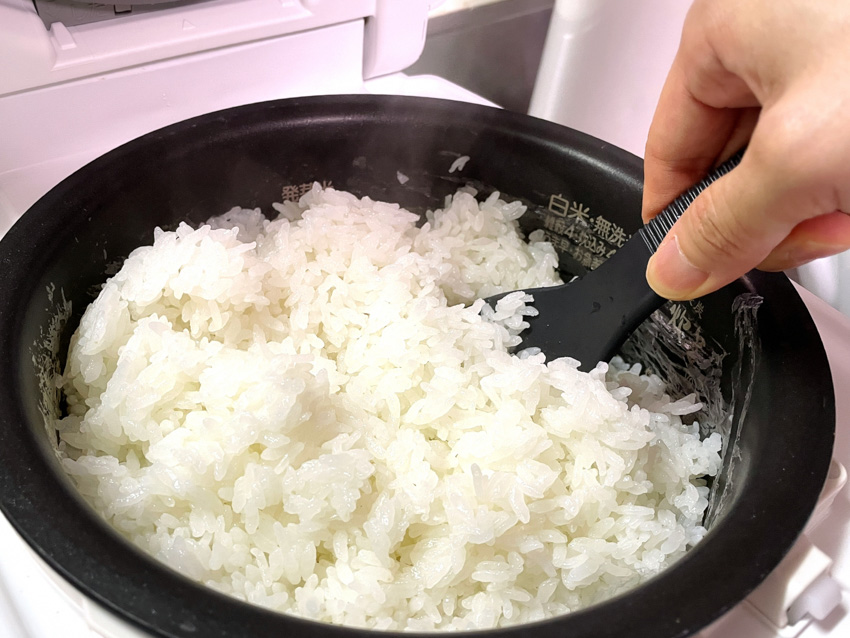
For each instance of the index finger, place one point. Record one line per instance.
(686, 139)
(705, 113)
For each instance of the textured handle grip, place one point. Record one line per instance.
(660, 225)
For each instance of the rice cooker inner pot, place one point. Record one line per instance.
(774, 378)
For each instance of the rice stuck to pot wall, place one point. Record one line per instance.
(314, 414)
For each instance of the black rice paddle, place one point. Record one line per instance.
(589, 318)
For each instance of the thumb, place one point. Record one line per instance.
(730, 228)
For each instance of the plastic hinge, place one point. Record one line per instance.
(793, 577)
(801, 587)
(394, 37)
(799, 590)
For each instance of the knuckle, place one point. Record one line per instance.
(804, 160)
(718, 233)
(784, 149)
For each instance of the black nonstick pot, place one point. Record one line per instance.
(751, 350)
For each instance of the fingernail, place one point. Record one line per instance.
(670, 274)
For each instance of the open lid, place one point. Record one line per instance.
(56, 41)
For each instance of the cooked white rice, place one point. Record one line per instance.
(313, 414)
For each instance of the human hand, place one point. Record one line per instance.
(773, 74)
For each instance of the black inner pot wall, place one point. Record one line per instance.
(243, 157)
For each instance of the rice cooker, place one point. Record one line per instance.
(750, 350)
